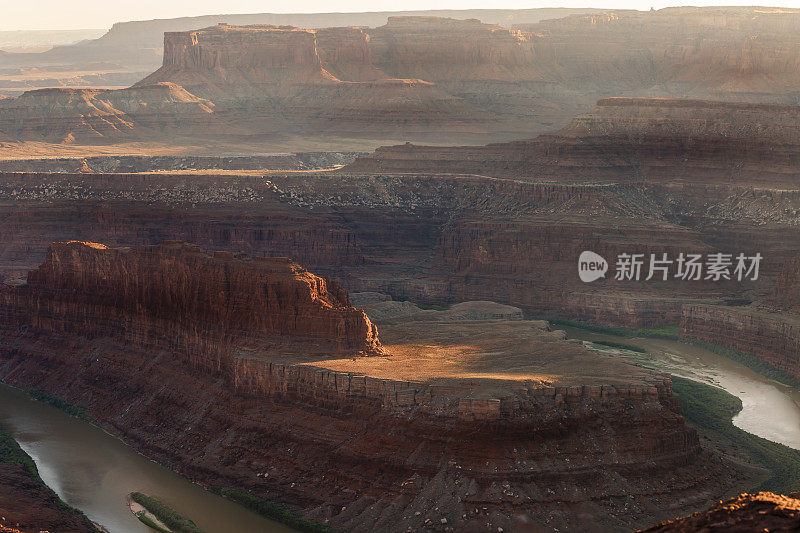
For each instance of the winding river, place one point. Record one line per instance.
(94, 472)
(769, 409)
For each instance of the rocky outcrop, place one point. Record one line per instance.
(786, 294)
(685, 51)
(279, 79)
(100, 116)
(252, 410)
(768, 330)
(441, 50)
(763, 511)
(89, 286)
(491, 82)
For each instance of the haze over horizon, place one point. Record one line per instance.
(57, 15)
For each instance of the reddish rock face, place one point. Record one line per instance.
(786, 295)
(180, 284)
(764, 511)
(440, 50)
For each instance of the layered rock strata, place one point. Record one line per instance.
(431, 239)
(772, 337)
(769, 330)
(102, 117)
(133, 163)
(630, 139)
(351, 451)
(85, 286)
(287, 79)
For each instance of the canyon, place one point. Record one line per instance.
(243, 360)
(459, 163)
(504, 222)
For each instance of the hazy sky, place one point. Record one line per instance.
(80, 14)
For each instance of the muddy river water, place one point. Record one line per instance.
(769, 409)
(94, 472)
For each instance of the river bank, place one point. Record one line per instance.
(94, 472)
(743, 414)
(26, 503)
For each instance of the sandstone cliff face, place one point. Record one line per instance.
(492, 83)
(353, 451)
(688, 52)
(180, 283)
(276, 79)
(786, 294)
(769, 330)
(440, 50)
(239, 56)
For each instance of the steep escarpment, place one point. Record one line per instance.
(772, 337)
(458, 80)
(178, 283)
(356, 447)
(278, 79)
(630, 139)
(439, 50)
(689, 52)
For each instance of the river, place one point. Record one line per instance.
(769, 409)
(94, 472)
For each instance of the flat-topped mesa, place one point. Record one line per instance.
(239, 56)
(223, 46)
(443, 49)
(631, 139)
(212, 292)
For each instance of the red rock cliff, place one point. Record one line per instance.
(212, 292)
